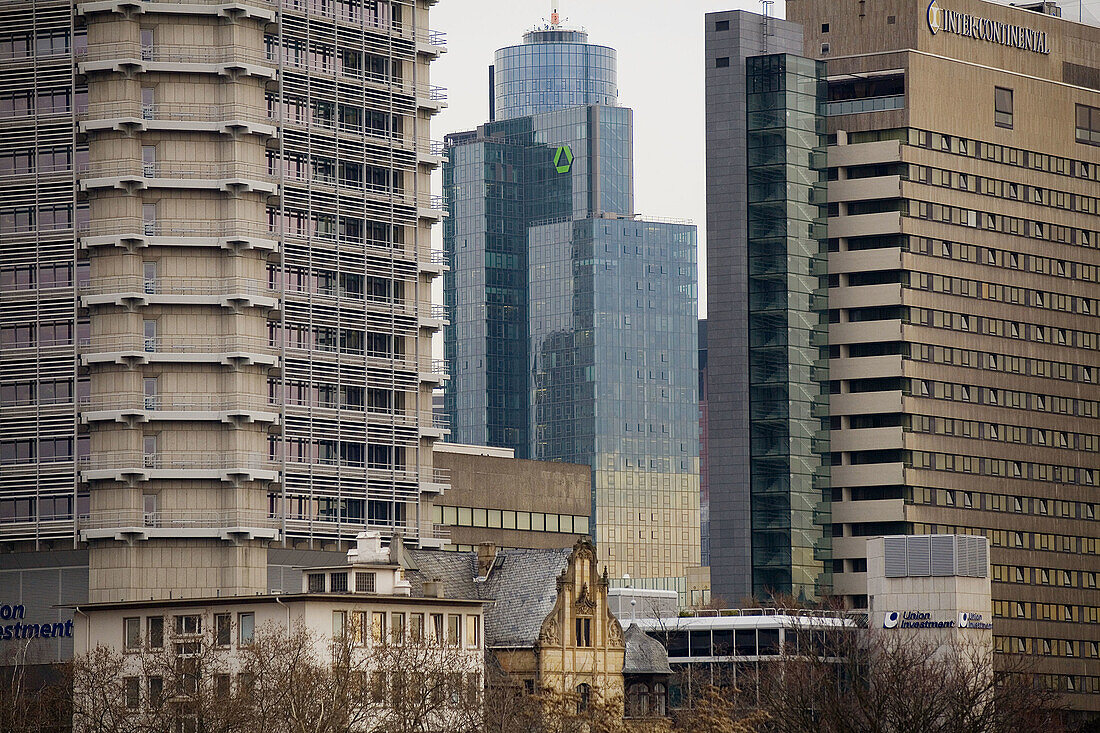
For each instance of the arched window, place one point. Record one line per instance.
(584, 696)
(637, 700)
(659, 700)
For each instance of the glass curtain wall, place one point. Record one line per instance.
(552, 70)
(788, 328)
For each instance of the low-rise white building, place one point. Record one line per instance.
(360, 619)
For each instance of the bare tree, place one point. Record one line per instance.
(281, 681)
(33, 697)
(870, 681)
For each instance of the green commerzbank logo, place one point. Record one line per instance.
(563, 159)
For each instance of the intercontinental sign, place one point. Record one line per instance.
(941, 20)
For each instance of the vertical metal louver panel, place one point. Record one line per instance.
(919, 553)
(895, 557)
(943, 555)
(968, 556)
(981, 557)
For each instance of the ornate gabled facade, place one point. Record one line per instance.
(550, 626)
(580, 642)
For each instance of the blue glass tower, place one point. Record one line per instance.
(573, 321)
(553, 68)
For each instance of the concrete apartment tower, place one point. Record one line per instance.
(216, 285)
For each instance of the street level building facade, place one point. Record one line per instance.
(572, 321)
(215, 317)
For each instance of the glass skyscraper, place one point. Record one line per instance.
(573, 321)
(552, 69)
(788, 327)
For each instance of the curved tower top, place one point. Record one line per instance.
(554, 68)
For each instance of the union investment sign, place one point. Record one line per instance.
(941, 20)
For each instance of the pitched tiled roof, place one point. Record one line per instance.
(644, 654)
(522, 587)
(455, 570)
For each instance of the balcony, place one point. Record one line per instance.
(434, 262)
(130, 58)
(133, 349)
(435, 482)
(431, 43)
(867, 104)
(260, 9)
(434, 426)
(134, 408)
(132, 176)
(137, 525)
(132, 233)
(135, 292)
(433, 317)
(432, 208)
(436, 372)
(431, 153)
(132, 116)
(431, 98)
(134, 466)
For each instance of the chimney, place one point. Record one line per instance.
(397, 549)
(486, 554)
(368, 549)
(433, 588)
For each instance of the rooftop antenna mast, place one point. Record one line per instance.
(765, 25)
(555, 18)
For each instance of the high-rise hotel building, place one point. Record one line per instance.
(963, 307)
(215, 272)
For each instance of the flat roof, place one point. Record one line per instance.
(473, 450)
(371, 598)
(773, 621)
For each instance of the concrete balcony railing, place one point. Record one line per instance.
(177, 286)
(128, 525)
(178, 344)
(179, 518)
(135, 228)
(135, 466)
(182, 170)
(264, 8)
(135, 402)
(135, 52)
(134, 112)
(132, 349)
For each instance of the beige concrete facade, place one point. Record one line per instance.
(963, 231)
(517, 503)
(259, 353)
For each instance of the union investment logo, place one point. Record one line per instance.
(891, 620)
(934, 17)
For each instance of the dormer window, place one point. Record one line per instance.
(338, 583)
(316, 583)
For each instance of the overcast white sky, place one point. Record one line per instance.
(660, 53)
